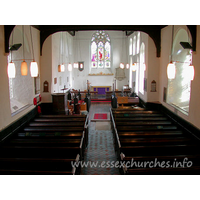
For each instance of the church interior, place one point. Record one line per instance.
(122, 96)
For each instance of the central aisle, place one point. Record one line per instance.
(100, 150)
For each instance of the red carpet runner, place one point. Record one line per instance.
(100, 116)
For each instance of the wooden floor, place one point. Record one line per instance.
(100, 145)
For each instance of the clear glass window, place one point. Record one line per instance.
(178, 93)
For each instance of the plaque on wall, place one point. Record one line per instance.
(81, 66)
(153, 86)
(46, 86)
(37, 84)
(120, 74)
(55, 80)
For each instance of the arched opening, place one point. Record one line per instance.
(22, 89)
(178, 93)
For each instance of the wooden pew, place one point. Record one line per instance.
(151, 134)
(47, 145)
(161, 165)
(50, 165)
(147, 128)
(165, 171)
(60, 135)
(57, 124)
(146, 135)
(127, 101)
(127, 119)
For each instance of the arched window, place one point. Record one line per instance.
(130, 46)
(130, 73)
(138, 42)
(178, 93)
(134, 45)
(141, 70)
(100, 50)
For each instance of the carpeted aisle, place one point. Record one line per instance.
(100, 151)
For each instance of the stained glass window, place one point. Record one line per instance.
(100, 50)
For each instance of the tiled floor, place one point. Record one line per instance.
(100, 151)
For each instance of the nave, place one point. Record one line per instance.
(49, 144)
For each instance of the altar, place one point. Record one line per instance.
(101, 89)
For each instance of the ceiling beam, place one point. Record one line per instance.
(193, 32)
(154, 31)
(7, 32)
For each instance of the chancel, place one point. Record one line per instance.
(100, 93)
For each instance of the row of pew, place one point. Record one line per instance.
(148, 142)
(46, 146)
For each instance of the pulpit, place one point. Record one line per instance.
(59, 103)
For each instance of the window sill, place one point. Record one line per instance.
(20, 110)
(176, 109)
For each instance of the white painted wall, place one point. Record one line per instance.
(46, 69)
(152, 70)
(62, 54)
(82, 42)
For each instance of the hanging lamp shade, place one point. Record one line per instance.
(121, 65)
(75, 65)
(69, 67)
(11, 70)
(61, 68)
(127, 66)
(134, 67)
(34, 69)
(144, 66)
(191, 72)
(171, 70)
(24, 68)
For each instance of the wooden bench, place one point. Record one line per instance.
(47, 145)
(162, 164)
(36, 165)
(35, 151)
(124, 101)
(35, 172)
(145, 134)
(127, 119)
(57, 124)
(143, 123)
(147, 128)
(45, 142)
(60, 135)
(165, 171)
(162, 149)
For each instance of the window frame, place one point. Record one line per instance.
(97, 38)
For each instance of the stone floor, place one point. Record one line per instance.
(100, 151)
